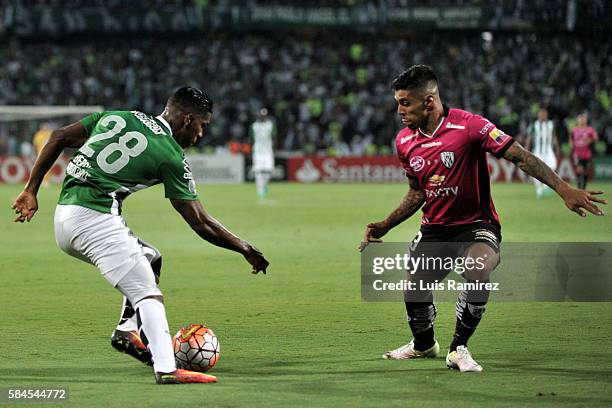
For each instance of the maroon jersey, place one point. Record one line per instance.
(582, 137)
(451, 167)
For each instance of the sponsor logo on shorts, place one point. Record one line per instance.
(448, 158)
(417, 163)
(486, 235)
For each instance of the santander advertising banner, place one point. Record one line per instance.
(376, 169)
(384, 169)
(387, 169)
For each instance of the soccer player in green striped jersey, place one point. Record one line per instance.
(542, 141)
(121, 152)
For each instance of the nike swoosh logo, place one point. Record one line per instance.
(185, 336)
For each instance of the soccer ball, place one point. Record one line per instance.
(196, 348)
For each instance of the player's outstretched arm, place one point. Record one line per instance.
(73, 135)
(576, 200)
(412, 201)
(214, 232)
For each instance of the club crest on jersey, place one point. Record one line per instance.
(417, 163)
(448, 158)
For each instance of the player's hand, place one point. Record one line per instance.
(25, 206)
(373, 233)
(256, 259)
(579, 200)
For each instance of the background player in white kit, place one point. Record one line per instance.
(120, 152)
(543, 143)
(263, 133)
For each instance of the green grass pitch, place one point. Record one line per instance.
(299, 336)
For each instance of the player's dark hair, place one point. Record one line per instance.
(415, 77)
(190, 100)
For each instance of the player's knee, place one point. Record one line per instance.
(484, 260)
(482, 273)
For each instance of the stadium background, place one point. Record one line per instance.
(323, 70)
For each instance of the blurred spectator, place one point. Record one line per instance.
(40, 139)
(329, 92)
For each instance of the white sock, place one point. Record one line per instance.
(127, 322)
(155, 327)
(539, 187)
(260, 182)
(266, 180)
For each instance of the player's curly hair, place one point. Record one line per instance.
(415, 77)
(190, 100)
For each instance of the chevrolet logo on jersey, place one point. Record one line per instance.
(448, 158)
(435, 179)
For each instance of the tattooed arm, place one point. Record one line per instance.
(412, 201)
(576, 200)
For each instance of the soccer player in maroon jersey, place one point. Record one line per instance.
(582, 138)
(444, 153)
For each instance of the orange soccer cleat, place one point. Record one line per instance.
(181, 376)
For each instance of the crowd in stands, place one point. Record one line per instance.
(328, 91)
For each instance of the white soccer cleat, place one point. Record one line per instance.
(462, 360)
(407, 351)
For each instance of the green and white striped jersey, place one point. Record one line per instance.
(263, 133)
(125, 152)
(542, 137)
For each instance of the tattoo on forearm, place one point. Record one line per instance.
(533, 166)
(410, 204)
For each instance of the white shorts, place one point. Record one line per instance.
(105, 241)
(139, 283)
(263, 162)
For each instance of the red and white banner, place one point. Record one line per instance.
(383, 169)
(387, 169)
(504, 171)
(16, 169)
(375, 169)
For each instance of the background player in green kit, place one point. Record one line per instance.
(119, 153)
